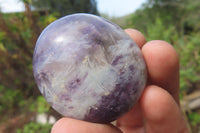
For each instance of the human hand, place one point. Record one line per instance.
(158, 109)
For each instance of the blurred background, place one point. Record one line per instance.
(24, 110)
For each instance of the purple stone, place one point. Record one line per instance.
(88, 68)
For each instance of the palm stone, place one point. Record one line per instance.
(88, 68)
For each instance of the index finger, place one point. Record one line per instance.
(162, 62)
(163, 66)
(137, 36)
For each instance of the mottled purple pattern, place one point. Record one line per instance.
(118, 102)
(88, 68)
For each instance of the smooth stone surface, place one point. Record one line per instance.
(88, 68)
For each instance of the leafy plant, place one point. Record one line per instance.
(159, 31)
(40, 105)
(189, 51)
(194, 118)
(34, 127)
(9, 99)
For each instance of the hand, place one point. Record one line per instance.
(158, 109)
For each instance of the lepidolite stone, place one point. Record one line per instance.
(88, 68)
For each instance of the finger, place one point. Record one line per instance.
(68, 125)
(163, 66)
(137, 36)
(161, 112)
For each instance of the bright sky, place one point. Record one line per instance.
(11, 5)
(118, 7)
(111, 7)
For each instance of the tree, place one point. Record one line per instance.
(168, 11)
(65, 7)
(18, 92)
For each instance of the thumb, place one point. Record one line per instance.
(161, 113)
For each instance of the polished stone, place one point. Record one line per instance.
(88, 68)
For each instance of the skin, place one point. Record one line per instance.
(158, 109)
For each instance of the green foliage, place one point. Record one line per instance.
(2, 36)
(194, 118)
(40, 105)
(46, 20)
(2, 48)
(189, 61)
(9, 99)
(27, 34)
(26, 1)
(34, 127)
(139, 20)
(159, 31)
(18, 34)
(65, 7)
